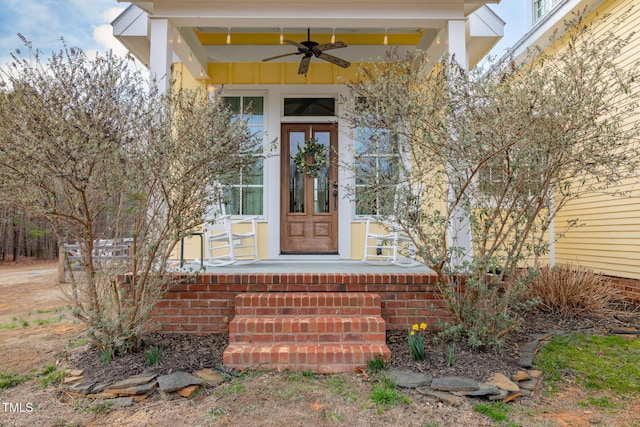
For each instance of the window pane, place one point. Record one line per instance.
(254, 173)
(233, 102)
(254, 106)
(296, 178)
(295, 107)
(321, 187)
(232, 200)
(252, 201)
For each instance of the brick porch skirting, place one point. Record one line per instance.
(205, 303)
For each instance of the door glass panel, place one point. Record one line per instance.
(296, 179)
(321, 184)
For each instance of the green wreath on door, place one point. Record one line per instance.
(319, 152)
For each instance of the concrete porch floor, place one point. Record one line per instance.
(308, 266)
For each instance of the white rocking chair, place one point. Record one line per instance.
(229, 241)
(388, 244)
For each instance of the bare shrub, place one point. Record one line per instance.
(572, 291)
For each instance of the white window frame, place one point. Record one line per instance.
(542, 7)
(242, 95)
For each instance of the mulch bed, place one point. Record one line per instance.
(186, 352)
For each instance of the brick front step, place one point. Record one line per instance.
(301, 303)
(307, 329)
(322, 358)
(320, 331)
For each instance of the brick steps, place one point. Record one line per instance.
(324, 332)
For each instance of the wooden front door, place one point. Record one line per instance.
(309, 209)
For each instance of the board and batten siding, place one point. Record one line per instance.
(608, 236)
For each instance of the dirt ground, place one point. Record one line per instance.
(46, 334)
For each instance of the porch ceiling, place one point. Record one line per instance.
(255, 27)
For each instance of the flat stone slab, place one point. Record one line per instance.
(122, 402)
(212, 378)
(527, 352)
(82, 388)
(408, 379)
(444, 397)
(532, 385)
(483, 390)
(134, 390)
(454, 384)
(133, 381)
(177, 381)
(502, 382)
(501, 396)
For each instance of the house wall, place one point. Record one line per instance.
(274, 81)
(609, 226)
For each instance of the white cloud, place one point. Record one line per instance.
(103, 35)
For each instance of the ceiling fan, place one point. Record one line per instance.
(310, 49)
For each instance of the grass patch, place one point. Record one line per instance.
(385, 393)
(497, 411)
(297, 376)
(595, 362)
(50, 376)
(100, 407)
(12, 379)
(8, 326)
(215, 413)
(338, 386)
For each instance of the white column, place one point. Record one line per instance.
(460, 240)
(161, 54)
(457, 33)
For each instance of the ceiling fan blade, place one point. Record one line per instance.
(280, 56)
(302, 47)
(328, 46)
(330, 58)
(304, 65)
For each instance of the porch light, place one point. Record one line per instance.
(333, 36)
(281, 37)
(438, 38)
(385, 41)
(229, 36)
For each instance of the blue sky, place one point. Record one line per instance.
(515, 14)
(82, 23)
(85, 23)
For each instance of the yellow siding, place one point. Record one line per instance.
(279, 73)
(608, 238)
(357, 240)
(184, 79)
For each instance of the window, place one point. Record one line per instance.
(496, 180)
(317, 107)
(244, 192)
(542, 7)
(377, 165)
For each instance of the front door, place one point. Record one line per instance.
(309, 220)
